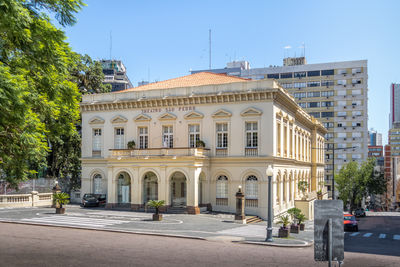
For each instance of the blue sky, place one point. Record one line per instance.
(158, 40)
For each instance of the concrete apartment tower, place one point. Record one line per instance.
(335, 93)
(115, 74)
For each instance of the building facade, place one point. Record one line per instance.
(394, 115)
(115, 75)
(245, 126)
(375, 138)
(335, 93)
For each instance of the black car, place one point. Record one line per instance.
(359, 212)
(93, 200)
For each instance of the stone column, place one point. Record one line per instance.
(110, 189)
(136, 190)
(192, 190)
(35, 198)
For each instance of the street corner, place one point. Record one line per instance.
(281, 242)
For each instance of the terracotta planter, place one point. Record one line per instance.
(294, 228)
(157, 217)
(60, 210)
(302, 225)
(283, 232)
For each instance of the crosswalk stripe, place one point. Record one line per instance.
(70, 220)
(354, 234)
(396, 237)
(367, 235)
(382, 236)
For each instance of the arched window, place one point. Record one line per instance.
(97, 184)
(251, 187)
(222, 191)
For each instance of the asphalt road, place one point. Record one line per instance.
(377, 235)
(27, 245)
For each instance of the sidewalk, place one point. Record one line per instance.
(208, 226)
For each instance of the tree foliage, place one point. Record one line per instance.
(38, 97)
(355, 182)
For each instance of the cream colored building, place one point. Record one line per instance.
(246, 125)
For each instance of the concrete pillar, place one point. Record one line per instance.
(136, 189)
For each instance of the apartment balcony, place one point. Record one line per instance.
(148, 153)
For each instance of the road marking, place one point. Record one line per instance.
(70, 220)
(367, 235)
(396, 237)
(354, 234)
(382, 236)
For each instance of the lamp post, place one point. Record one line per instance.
(269, 173)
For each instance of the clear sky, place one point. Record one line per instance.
(158, 40)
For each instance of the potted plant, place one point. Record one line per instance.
(294, 212)
(302, 185)
(157, 204)
(301, 218)
(284, 230)
(200, 143)
(61, 199)
(131, 144)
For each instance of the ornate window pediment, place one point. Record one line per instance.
(167, 116)
(193, 115)
(221, 113)
(142, 117)
(119, 119)
(251, 112)
(96, 120)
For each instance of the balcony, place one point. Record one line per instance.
(159, 152)
(251, 151)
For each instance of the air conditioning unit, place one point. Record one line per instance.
(353, 128)
(345, 138)
(354, 106)
(354, 117)
(344, 85)
(327, 97)
(354, 139)
(344, 106)
(345, 160)
(344, 128)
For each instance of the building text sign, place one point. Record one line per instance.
(169, 109)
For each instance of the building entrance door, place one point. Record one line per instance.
(178, 190)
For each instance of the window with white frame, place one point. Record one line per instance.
(194, 134)
(222, 187)
(251, 134)
(143, 137)
(222, 135)
(251, 187)
(97, 184)
(119, 139)
(96, 145)
(168, 136)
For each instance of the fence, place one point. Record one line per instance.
(34, 199)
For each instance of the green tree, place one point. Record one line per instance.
(39, 99)
(356, 182)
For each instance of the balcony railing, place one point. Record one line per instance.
(221, 202)
(251, 203)
(251, 151)
(159, 152)
(221, 152)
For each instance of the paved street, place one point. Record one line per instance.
(379, 233)
(199, 226)
(23, 245)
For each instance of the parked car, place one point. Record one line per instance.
(350, 222)
(359, 212)
(93, 200)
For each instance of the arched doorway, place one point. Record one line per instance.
(178, 190)
(124, 189)
(97, 184)
(150, 187)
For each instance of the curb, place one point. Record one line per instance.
(271, 244)
(306, 244)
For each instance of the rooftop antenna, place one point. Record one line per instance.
(110, 45)
(209, 43)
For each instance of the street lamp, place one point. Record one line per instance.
(269, 173)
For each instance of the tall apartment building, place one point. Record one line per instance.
(394, 180)
(335, 93)
(115, 74)
(394, 116)
(375, 138)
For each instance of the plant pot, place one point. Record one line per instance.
(295, 228)
(319, 196)
(60, 210)
(302, 226)
(157, 217)
(283, 232)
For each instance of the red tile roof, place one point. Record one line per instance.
(197, 79)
